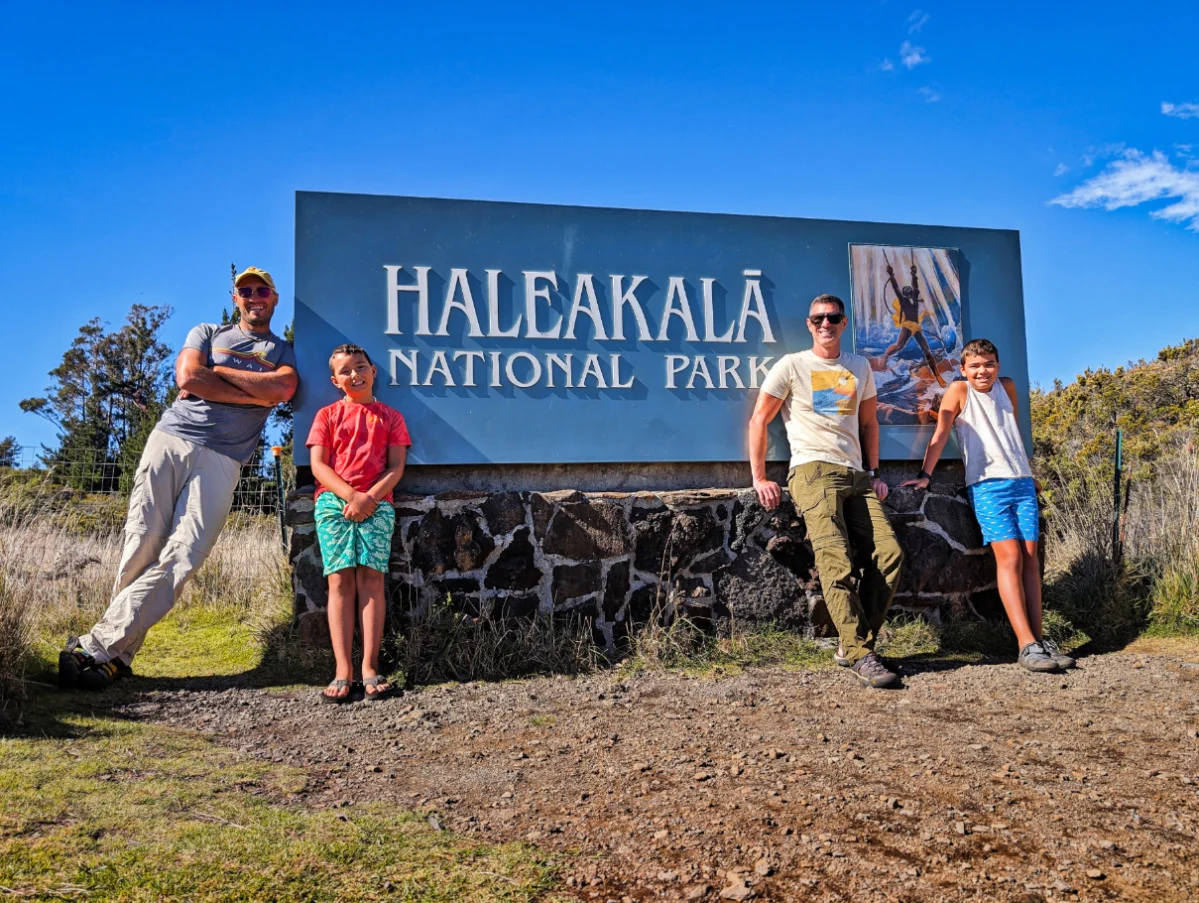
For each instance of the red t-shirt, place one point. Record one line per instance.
(357, 437)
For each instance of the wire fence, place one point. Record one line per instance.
(262, 489)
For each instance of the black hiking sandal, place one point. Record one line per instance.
(1035, 658)
(1060, 658)
(871, 671)
(71, 663)
(77, 669)
(99, 676)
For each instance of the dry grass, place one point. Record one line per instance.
(1155, 583)
(439, 644)
(670, 641)
(56, 573)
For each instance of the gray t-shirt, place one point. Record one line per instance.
(230, 429)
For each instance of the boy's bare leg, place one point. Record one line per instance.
(1032, 586)
(373, 609)
(341, 625)
(1010, 570)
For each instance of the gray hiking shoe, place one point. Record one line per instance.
(1033, 657)
(871, 671)
(1063, 661)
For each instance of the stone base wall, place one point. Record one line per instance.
(614, 557)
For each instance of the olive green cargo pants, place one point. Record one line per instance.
(846, 524)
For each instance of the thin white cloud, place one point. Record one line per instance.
(917, 21)
(1061, 169)
(1102, 152)
(1139, 178)
(911, 55)
(929, 95)
(1181, 110)
(886, 66)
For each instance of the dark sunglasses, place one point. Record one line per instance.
(249, 291)
(833, 319)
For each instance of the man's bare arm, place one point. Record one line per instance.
(765, 410)
(275, 388)
(868, 432)
(194, 377)
(951, 406)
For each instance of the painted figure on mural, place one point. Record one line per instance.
(907, 317)
(908, 325)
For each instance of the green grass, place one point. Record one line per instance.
(967, 641)
(98, 807)
(685, 648)
(1175, 597)
(122, 811)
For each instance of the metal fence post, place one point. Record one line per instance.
(277, 451)
(1117, 480)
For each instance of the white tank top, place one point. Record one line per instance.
(990, 436)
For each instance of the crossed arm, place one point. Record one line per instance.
(227, 385)
(359, 505)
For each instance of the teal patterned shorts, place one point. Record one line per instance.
(345, 544)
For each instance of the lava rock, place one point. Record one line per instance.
(516, 567)
(505, 511)
(759, 590)
(588, 529)
(574, 580)
(956, 519)
(616, 589)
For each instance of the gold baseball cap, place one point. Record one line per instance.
(254, 271)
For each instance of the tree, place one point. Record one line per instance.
(10, 452)
(105, 396)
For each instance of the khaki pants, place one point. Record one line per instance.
(181, 496)
(846, 523)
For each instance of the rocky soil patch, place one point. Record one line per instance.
(970, 783)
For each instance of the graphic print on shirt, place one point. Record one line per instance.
(257, 357)
(834, 392)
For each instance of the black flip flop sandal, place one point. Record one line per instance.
(387, 693)
(338, 685)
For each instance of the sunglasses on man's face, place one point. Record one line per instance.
(249, 291)
(833, 319)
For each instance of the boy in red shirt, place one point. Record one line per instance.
(359, 446)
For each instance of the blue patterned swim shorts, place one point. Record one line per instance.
(346, 544)
(1006, 509)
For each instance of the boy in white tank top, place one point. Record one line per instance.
(1002, 492)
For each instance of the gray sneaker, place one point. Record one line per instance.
(1063, 661)
(871, 671)
(1033, 657)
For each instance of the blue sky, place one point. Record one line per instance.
(143, 151)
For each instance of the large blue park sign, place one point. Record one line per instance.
(523, 333)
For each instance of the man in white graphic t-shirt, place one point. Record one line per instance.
(828, 403)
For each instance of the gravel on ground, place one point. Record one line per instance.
(973, 782)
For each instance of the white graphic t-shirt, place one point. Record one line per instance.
(821, 400)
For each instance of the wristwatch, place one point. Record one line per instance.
(872, 473)
(924, 475)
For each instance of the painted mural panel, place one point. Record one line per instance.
(907, 310)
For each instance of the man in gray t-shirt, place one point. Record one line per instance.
(229, 379)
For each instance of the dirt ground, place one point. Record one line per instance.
(976, 782)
